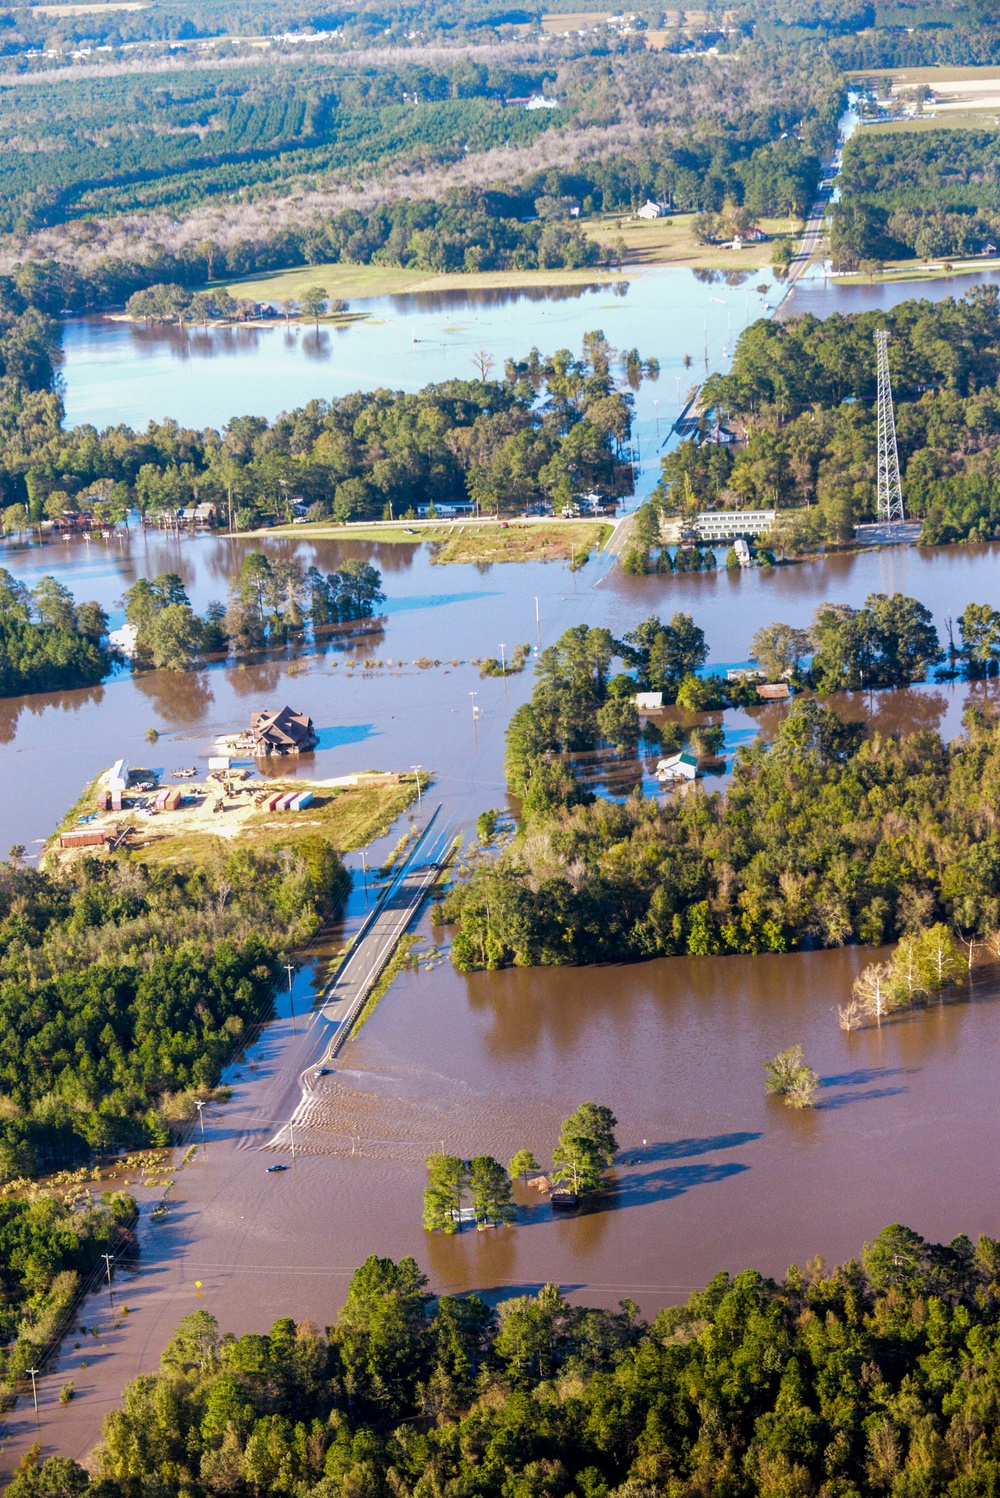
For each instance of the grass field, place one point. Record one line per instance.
(362, 281)
(672, 241)
(918, 270)
(471, 541)
(965, 98)
(648, 243)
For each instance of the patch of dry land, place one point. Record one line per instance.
(349, 812)
(471, 540)
(673, 241)
(360, 281)
(964, 98)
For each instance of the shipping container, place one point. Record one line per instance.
(85, 838)
(302, 800)
(285, 803)
(161, 799)
(219, 762)
(172, 799)
(272, 801)
(102, 801)
(116, 803)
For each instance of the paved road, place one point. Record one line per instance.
(345, 997)
(813, 232)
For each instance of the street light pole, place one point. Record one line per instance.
(107, 1265)
(416, 770)
(290, 968)
(503, 658)
(201, 1119)
(34, 1390)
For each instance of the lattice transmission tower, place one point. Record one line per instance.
(890, 490)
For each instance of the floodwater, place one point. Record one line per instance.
(120, 372)
(713, 1175)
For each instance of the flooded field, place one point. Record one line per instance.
(712, 1175)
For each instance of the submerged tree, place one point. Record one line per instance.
(490, 1190)
(447, 1178)
(790, 1078)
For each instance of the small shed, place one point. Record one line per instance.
(648, 702)
(283, 732)
(677, 767)
(774, 691)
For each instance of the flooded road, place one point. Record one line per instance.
(713, 1175)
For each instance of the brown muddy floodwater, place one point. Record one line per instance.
(907, 1127)
(712, 1174)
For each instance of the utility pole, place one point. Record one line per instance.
(416, 770)
(34, 1389)
(291, 1136)
(290, 968)
(199, 1104)
(538, 621)
(108, 1261)
(890, 490)
(364, 865)
(503, 658)
(656, 408)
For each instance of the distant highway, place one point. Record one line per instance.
(813, 232)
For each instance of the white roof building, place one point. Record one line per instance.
(124, 639)
(677, 767)
(650, 209)
(648, 702)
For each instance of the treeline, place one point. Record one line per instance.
(125, 987)
(271, 601)
(802, 393)
(48, 643)
(125, 143)
(50, 1246)
(875, 1376)
(361, 456)
(758, 869)
(699, 131)
(922, 193)
(524, 227)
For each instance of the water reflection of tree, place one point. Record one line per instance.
(900, 710)
(256, 679)
(178, 696)
(40, 703)
(984, 695)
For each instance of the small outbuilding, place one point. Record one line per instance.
(648, 702)
(677, 767)
(649, 209)
(774, 691)
(283, 732)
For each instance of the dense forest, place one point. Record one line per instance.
(117, 181)
(51, 1247)
(879, 1376)
(803, 394)
(361, 456)
(124, 988)
(806, 847)
(922, 193)
(48, 643)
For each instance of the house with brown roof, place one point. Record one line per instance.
(282, 732)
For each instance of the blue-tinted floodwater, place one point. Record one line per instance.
(689, 321)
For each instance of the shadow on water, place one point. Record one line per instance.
(660, 1185)
(681, 1149)
(346, 733)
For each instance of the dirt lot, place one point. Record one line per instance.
(349, 812)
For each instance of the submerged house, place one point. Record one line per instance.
(677, 767)
(283, 732)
